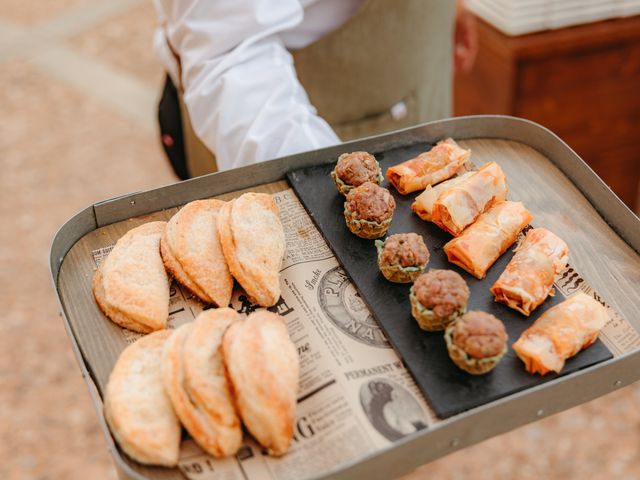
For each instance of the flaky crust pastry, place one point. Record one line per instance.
(192, 253)
(253, 243)
(131, 286)
(136, 406)
(195, 379)
(263, 368)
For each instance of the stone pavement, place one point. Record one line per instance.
(78, 91)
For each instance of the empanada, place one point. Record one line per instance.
(263, 368)
(192, 253)
(136, 406)
(195, 380)
(253, 243)
(131, 286)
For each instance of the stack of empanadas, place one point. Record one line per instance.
(192, 254)
(131, 286)
(195, 379)
(253, 243)
(209, 374)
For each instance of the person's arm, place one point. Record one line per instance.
(240, 87)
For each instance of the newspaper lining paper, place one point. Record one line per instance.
(355, 395)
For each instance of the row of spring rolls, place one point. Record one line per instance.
(473, 207)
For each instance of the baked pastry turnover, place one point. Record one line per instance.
(131, 286)
(192, 253)
(136, 406)
(195, 380)
(263, 368)
(253, 243)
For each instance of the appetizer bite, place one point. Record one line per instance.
(484, 241)
(438, 297)
(195, 380)
(131, 286)
(528, 279)
(192, 254)
(423, 204)
(137, 407)
(263, 368)
(368, 210)
(441, 162)
(560, 333)
(354, 169)
(476, 342)
(253, 243)
(458, 207)
(402, 257)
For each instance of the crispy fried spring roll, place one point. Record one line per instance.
(457, 207)
(482, 243)
(528, 279)
(441, 162)
(560, 333)
(423, 205)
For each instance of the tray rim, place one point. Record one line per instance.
(458, 431)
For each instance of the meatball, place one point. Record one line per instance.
(404, 249)
(476, 342)
(357, 168)
(402, 257)
(479, 334)
(438, 298)
(443, 291)
(370, 202)
(368, 210)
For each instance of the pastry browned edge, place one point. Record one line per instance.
(136, 406)
(262, 362)
(192, 254)
(196, 381)
(253, 243)
(131, 286)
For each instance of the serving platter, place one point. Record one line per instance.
(563, 194)
(448, 389)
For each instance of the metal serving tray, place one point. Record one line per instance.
(562, 192)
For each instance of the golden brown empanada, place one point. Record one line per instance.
(263, 368)
(195, 380)
(136, 406)
(253, 243)
(131, 286)
(192, 253)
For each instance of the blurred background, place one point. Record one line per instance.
(79, 87)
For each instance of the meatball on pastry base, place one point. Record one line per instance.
(427, 319)
(474, 366)
(394, 272)
(192, 253)
(253, 243)
(343, 187)
(131, 286)
(366, 228)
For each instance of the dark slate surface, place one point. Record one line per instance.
(448, 389)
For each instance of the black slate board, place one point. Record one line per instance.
(448, 389)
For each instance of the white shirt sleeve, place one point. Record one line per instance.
(241, 88)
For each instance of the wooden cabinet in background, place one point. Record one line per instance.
(583, 83)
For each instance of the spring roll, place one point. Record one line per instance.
(528, 279)
(458, 207)
(483, 242)
(423, 205)
(560, 333)
(440, 163)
